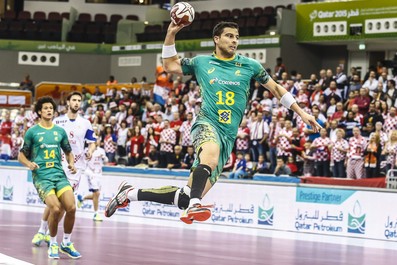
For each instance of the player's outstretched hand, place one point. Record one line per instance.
(310, 120)
(72, 169)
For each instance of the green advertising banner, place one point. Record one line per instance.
(350, 20)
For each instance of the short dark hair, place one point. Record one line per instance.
(218, 29)
(74, 93)
(41, 101)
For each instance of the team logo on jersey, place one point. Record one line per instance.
(55, 133)
(71, 134)
(41, 139)
(237, 73)
(210, 71)
(214, 80)
(225, 116)
(238, 64)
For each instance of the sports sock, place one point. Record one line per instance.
(66, 238)
(200, 176)
(133, 195)
(43, 226)
(53, 240)
(165, 195)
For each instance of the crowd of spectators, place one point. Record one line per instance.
(358, 139)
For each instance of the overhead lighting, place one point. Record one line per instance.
(272, 33)
(146, 22)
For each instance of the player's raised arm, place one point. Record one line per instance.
(289, 102)
(171, 61)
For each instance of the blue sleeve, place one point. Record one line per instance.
(114, 138)
(244, 164)
(90, 136)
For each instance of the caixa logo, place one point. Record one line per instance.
(356, 220)
(266, 212)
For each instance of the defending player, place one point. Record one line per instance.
(224, 79)
(78, 131)
(41, 153)
(93, 172)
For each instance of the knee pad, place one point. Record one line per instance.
(182, 199)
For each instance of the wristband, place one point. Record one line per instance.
(287, 100)
(168, 51)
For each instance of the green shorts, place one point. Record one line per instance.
(204, 132)
(48, 185)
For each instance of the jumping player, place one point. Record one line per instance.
(224, 79)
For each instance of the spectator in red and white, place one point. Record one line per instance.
(390, 151)
(339, 114)
(362, 101)
(194, 91)
(167, 142)
(20, 120)
(280, 110)
(355, 155)
(357, 115)
(283, 140)
(176, 124)
(185, 140)
(274, 127)
(266, 101)
(6, 125)
(315, 96)
(322, 105)
(243, 138)
(16, 143)
(371, 83)
(115, 125)
(137, 142)
(168, 114)
(259, 131)
(331, 108)
(284, 80)
(302, 96)
(297, 145)
(121, 114)
(332, 130)
(110, 143)
(150, 140)
(391, 121)
(257, 93)
(350, 100)
(322, 153)
(297, 119)
(339, 148)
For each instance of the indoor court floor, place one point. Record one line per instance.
(131, 240)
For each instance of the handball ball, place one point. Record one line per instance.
(182, 13)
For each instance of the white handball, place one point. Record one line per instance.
(182, 13)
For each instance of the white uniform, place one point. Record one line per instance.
(94, 168)
(78, 131)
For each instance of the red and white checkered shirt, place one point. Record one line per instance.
(390, 124)
(357, 147)
(185, 133)
(108, 144)
(168, 135)
(391, 150)
(243, 143)
(283, 144)
(322, 151)
(273, 132)
(337, 155)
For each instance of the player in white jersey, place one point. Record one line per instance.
(79, 131)
(93, 172)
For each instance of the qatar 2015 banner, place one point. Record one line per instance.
(346, 20)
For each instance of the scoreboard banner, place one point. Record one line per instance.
(350, 20)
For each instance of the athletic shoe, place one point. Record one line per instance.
(97, 218)
(47, 239)
(79, 201)
(197, 212)
(53, 251)
(120, 200)
(37, 239)
(69, 250)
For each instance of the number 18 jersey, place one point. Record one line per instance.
(224, 87)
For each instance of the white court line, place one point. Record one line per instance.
(7, 260)
(250, 231)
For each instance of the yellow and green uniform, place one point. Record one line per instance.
(224, 87)
(43, 146)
